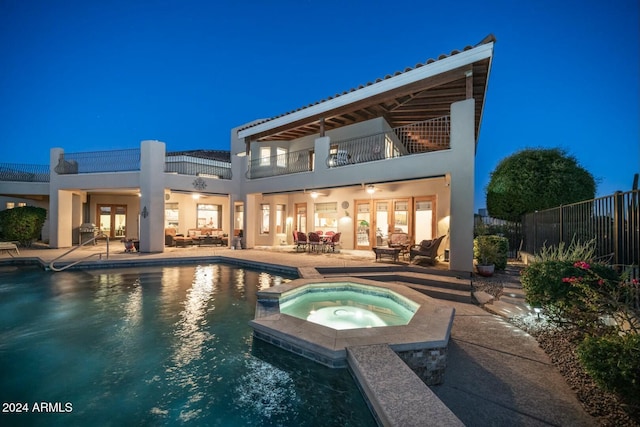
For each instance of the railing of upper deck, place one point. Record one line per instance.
(98, 161)
(416, 138)
(282, 164)
(24, 172)
(197, 166)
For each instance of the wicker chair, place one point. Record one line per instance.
(427, 249)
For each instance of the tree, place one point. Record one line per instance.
(23, 224)
(536, 179)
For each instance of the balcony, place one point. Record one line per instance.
(416, 138)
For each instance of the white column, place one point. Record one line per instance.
(152, 163)
(462, 185)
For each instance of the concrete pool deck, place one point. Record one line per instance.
(496, 374)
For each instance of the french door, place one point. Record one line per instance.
(112, 220)
(376, 219)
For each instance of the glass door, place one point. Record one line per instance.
(425, 221)
(112, 220)
(301, 217)
(363, 224)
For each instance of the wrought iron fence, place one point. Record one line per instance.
(416, 138)
(24, 172)
(197, 166)
(99, 161)
(613, 221)
(282, 164)
(512, 231)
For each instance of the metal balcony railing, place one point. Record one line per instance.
(99, 161)
(283, 164)
(416, 138)
(24, 173)
(189, 165)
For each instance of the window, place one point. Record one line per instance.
(10, 205)
(264, 219)
(280, 218)
(209, 216)
(326, 216)
(239, 220)
(265, 156)
(171, 215)
(424, 220)
(21, 204)
(281, 157)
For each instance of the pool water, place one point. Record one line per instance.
(156, 346)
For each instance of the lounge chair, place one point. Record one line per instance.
(8, 247)
(427, 250)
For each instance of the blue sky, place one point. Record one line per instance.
(96, 75)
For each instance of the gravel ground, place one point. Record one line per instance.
(560, 346)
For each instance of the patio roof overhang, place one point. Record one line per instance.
(416, 94)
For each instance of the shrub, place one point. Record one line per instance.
(22, 224)
(491, 250)
(555, 286)
(614, 363)
(576, 251)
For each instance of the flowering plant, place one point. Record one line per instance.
(613, 300)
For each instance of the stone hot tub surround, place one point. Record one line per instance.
(421, 343)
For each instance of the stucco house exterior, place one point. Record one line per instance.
(396, 154)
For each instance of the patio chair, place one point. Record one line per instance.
(300, 240)
(314, 241)
(427, 250)
(400, 240)
(335, 240)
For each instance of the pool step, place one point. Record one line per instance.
(394, 392)
(440, 286)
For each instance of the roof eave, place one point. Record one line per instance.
(435, 68)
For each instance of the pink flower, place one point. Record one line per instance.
(581, 264)
(635, 281)
(600, 282)
(571, 279)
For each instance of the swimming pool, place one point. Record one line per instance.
(156, 346)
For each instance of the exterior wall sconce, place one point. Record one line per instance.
(195, 196)
(371, 189)
(314, 195)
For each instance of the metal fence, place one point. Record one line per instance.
(99, 161)
(197, 166)
(613, 221)
(416, 138)
(512, 231)
(282, 164)
(24, 173)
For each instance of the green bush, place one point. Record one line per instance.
(498, 257)
(22, 224)
(614, 363)
(563, 290)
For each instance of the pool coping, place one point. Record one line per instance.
(429, 328)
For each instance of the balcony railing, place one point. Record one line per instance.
(99, 161)
(197, 166)
(283, 164)
(416, 138)
(24, 173)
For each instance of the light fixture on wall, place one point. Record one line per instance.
(314, 195)
(195, 196)
(371, 189)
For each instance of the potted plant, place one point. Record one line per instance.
(485, 252)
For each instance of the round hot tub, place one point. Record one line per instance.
(346, 305)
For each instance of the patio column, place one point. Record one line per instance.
(152, 163)
(462, 185)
